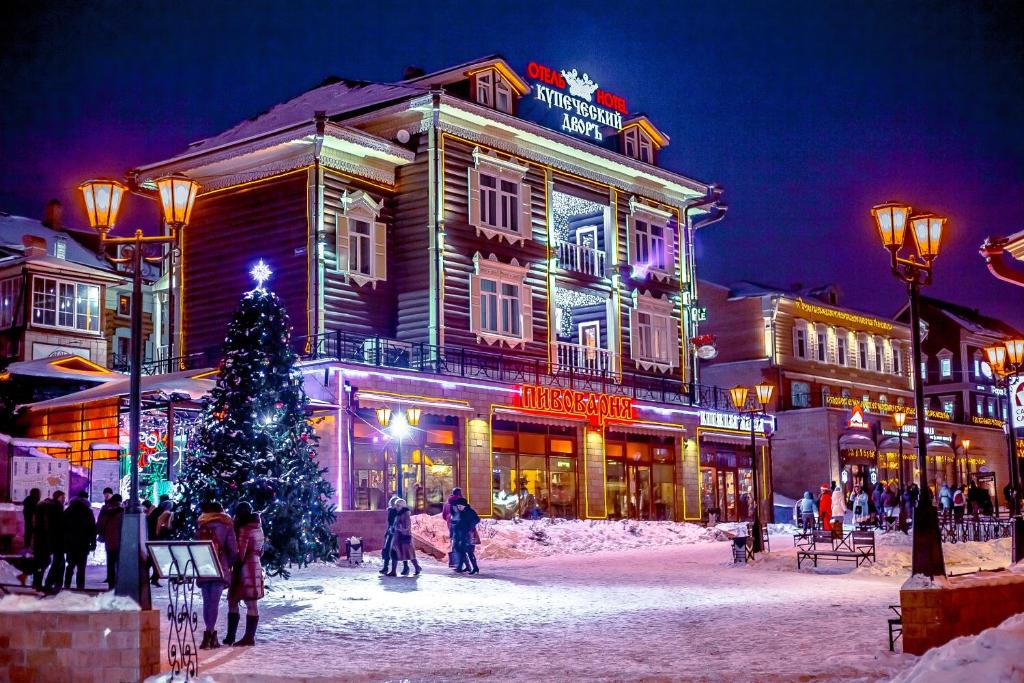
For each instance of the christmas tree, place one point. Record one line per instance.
(254, 442)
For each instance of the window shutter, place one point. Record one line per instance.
(797, 324)
(887, 363)
(341, 243)
(673, 336)
(631, 239)
(474, 197)
(833, 352)
(474, 303)
(380, 251)
(526, 306)
(611, 326)
(670, 250)
(634, 326)
(525, 211)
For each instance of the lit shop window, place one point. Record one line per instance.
(979, 407)
(948, 405)
(993, 407)
(361, 240)
(652, 241)
(9, 291)
(499, 201)
(501, 304)
(654, 338)
(70, 305)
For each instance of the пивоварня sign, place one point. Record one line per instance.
(580, 116)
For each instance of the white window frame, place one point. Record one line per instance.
(897, 358)
(945, 358)
(821, 343)
(644, 241)
(513, 219)
(654, 332)
(801, 338)
(879, 349)
(60, 297)
(629, 146)
(360, 207)
(490, 271)
(10, 289)
(490, 88)
(485, 88)
(805, 396)
(842, 347)
(646, 149)
(863, 350)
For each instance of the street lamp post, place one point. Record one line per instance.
(899, 418)
(915, 270)
(966, 443)
(1007, 362)
(738, 395)
(399, 427)
(102, 203)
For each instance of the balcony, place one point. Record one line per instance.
(580, 258)
(585, 360)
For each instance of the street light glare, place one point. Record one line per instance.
(399, 426)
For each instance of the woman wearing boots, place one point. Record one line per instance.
(465, 537)
(247, 579)
(216, 527)
(385, 553)
(401, 542)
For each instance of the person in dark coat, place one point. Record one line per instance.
(48, 543)
(108, 530)
(152, 530)
(401, 545)
(465, 537)
(79, 537)
(450, 515)
(389, 533)
(217, 527)
(247, 578)
(29, 513)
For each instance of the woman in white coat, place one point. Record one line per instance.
(861, 511)
(838, 507)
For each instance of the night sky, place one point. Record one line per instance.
(807, 113)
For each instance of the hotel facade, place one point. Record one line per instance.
(496, 260)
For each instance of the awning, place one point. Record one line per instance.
(181, 383)
(101, 446)
(893, 443)
(725, 438)
(67, 366)
(856, 440)
(646, 429)
(443, 407)
(515, 415)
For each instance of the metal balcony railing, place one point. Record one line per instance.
(580, 258)
(586, 360)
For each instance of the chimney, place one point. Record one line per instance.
(53, 217)
(412, 72)
(34, 246)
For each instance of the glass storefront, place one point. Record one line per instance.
(727, 484)
(640, 478)
(534, 473)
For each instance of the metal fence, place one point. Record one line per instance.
(975, 530)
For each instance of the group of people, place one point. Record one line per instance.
(238, 545)
(462, 521)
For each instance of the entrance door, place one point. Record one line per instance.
(563, 487)
(727, 494)
(640, 491)
(615, 488)
(590, 341)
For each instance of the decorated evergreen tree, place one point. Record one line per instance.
(254, 442)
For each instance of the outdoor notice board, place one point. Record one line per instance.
(46, 474)
(105, 473)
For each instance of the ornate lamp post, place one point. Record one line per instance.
(1007, 361)
(398, 425)
(102, 203)
(966, 443)
(738, 396)
(899, 418)
(915, 270)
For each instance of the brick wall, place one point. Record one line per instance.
(56, 647)
(369, 525)
(963, 606)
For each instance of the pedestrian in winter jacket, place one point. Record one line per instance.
(861, 513)
(28, 511)
(946, 501)
(889, 504)
(959, 504)
(466, 537)
(876, 503)
(807, 511)
(401, 545)
(450, 516)
(389, 534)
(247, 579)
(218, 528)
(79, 538)
(108, 530)
(825, 508)
(48, 543)
(838, 507)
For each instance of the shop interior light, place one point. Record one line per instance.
(177, 196)
(928, 234)
(383, 416)
(412, 416)
(764, 393)
(891, 219)
(1015, 352)
(738, 394)
(102, 202)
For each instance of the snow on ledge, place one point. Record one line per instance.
(67, 601)
(992, 655)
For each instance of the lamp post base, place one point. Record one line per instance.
(132, 569)
(1017, 549)
(927, 557)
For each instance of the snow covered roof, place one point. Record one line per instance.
(14, 228)
(971, 318)
(460, 72)
(65, 366)
(171, 383)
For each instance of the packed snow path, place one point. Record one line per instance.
(672, 613)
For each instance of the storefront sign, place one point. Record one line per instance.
(881, 408)
(912, 429)
(843, 316)
(598, 408)
(710, 418)
(988, 421)
(1017, 402)
(857, 419)
(586, 108)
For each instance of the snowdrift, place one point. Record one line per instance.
(992, 655)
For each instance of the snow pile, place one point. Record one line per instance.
(68, 602)
(522, 539)
(895, 555)
(992, 655)
(171, 678)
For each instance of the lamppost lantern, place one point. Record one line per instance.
(1015, 352)
(891, 220)
(383, 416)
(966, 444)
(899, 418)
(738, 395)
(928, 234)
(177, 196)
(996, 356)
(102, 203)
(764, 393)
(412, 416)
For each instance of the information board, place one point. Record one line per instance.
(46, 474)
(105, 473)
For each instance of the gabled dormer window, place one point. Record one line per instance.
(492, 90)
(361, 240)
(500, 202)
(638, 145)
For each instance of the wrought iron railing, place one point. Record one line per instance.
(975, 530)
(580, 258)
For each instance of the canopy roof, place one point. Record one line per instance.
(164, 386)
(64, 366)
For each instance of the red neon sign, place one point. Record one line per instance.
(598, 408)
(553, 77)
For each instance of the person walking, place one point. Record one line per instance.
(466, 537)
(825, 508)
(807, 511)
(108, 530)
(28, 512)
(946, 502)
(247, 577)
(79, 538)
(838, 509)
(959, 504)
(450, 516)
(218, 528)
(861, 511)
(876, 505)
(401, 544)
(165, 523)
(1012, 498)
(889, 506)
(48, 543)
(389, 535)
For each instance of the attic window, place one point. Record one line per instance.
(493, 91)
(60, 248)
(638, 145)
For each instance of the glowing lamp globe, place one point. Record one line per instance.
(996, 356)
(383, 416)
(966, 443)
(891, 220)
(764, 393)
(102, 202)
(1015, 352)
(899, 418)
(738, 395)
(927, 230)
(177, 196)
(412, 416)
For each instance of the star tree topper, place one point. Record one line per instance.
(261, 272)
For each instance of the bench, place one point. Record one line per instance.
(857, 547)
(895, 627)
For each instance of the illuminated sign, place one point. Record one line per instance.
(843, 316)
(595, 407)
(881, 408)
(1016, 402)
(586, 109)
(857, 418)
(988, 421)
(711, 418)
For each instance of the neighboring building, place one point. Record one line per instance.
(437, 250)
(1004, 255)
(842, 373)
